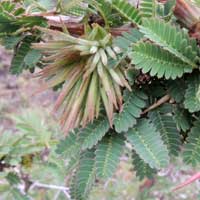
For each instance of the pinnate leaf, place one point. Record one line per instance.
(147, 143)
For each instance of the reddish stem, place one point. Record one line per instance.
(188, 181)
(189, 15)
(78, 28)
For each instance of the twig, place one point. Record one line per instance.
(66, 19)
(55, 187)
(74, 25)
(158, 103)
(57, 195)
(77, 28)
(67, 195)
(63, 189)
(41, 14)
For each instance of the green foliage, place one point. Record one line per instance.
(69, 4)
(192, 94)
(32, 58)
(70, 146)
(84, 177)
(8, 14)
(182, 119)
(77, 11)
(127, 39)
(127, 10)
(30, 124)
(72, 8)
(197, 2)
(83, 139)
(12, 18)
(176, 89)
(192, 147)
(18, 195)
(161, 64)
(172, 39)
(21, 58)
(108, 154)
(105, 10)
(31, 21)
(125, 42)
(94, 132)
(147, 143)
(13, 178)
(142, 169)
(165, 124)
(148, 8)
(16, 33)
(10, 42)
(132, 109)
(29, 150)
(166, 10)
(32, 137)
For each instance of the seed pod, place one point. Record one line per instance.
(116, 77)
(93, 49)
(108, 106)
(89, 111)
(82, 65)
(125, 82)
(116, 49)
(81, 48)
(111, 53)
(104, 58)
(86, 42)
(85, 53)
(108, 87)
(105, 40)
(93, 65)
(100, 69)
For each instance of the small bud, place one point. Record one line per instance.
(93, 49)
(117, 49)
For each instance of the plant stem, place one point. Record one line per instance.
(48, 186)
(158, 103)
(189, 15)
(76, 28)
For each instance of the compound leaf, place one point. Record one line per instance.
(84, 177)
(133, 103)
(165, 124)
(94, 132)
(127, 10)
(147, 143)
(142, 169)
(159, 62)
(192, 94)
(191, 154)
(172, 39)
(108, 153)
